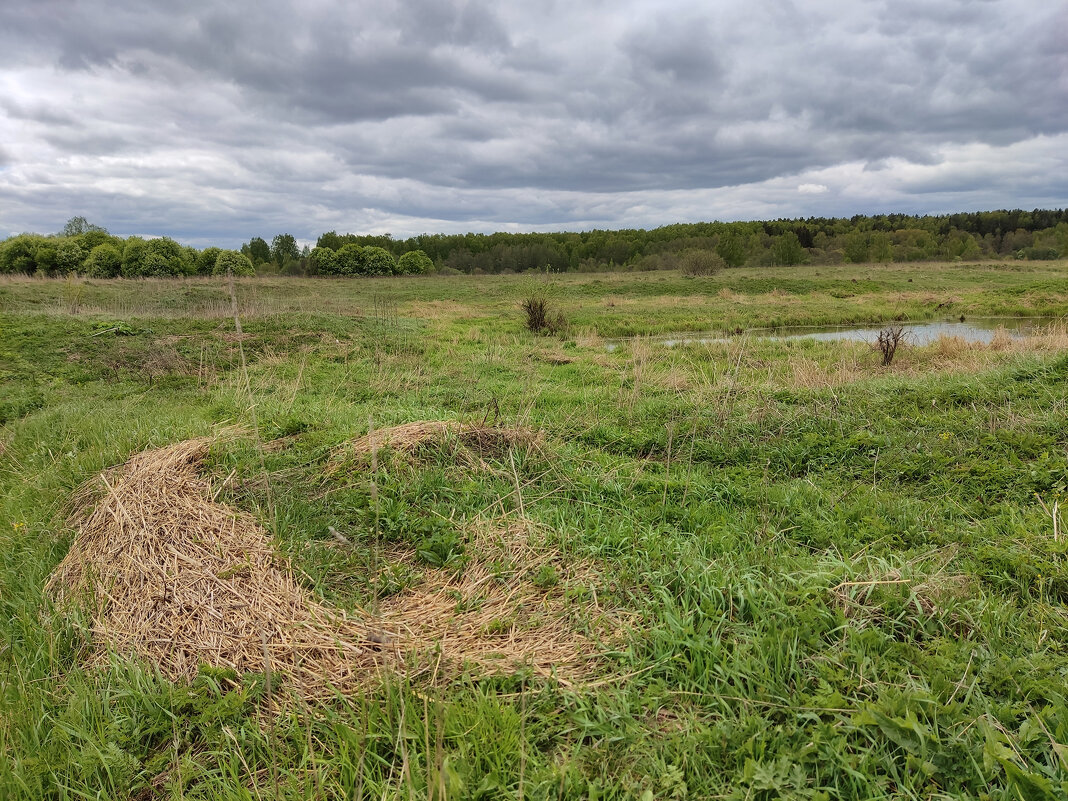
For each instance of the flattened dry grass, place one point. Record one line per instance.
(172, 577)
(473, 441)
(511, 605)
(180, 581)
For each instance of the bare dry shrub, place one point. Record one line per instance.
(700, 262)
(888, 341)
(537, 314)
(541, 317)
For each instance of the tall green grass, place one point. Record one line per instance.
(831, 591)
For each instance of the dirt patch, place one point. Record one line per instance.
(170, 576)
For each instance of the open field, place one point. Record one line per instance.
(749, 569)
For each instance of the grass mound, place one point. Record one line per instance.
(469, 444)
(409, 437)
(173, 577)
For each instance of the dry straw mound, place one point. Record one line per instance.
(173, 577)
(178, 580)
(409, 437)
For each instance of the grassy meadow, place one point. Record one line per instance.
(825, 579)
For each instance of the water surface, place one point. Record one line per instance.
(978, 329)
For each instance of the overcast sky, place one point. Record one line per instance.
(227, 120)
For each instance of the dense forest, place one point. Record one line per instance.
(87, 249)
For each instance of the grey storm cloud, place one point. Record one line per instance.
(214, 122)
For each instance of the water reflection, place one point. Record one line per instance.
(980, 329)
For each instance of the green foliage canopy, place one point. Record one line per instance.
(232, 261)
(104, 261)
(284, 249)
(205, 260)
(257, 250)
(378, 261)
(414, 262)
(323, 261)
(349, 260)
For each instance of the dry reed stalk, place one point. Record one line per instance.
(1053, 337)
(588, 338)
(180, 581)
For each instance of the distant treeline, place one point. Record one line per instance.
(84, 248)
(1038, 234)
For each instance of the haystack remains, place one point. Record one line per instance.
(172, 577)
(472, 440)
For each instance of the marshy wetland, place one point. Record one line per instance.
(476, 561)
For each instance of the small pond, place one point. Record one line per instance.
(978, 329)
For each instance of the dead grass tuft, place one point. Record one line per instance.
(406, 439)
(952, 347)
(511, 604)
(913, 594)
(588, 338)
(174, 578)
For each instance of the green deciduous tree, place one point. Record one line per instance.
(133, 256)
(79, 225)
(19, 254)
(731, 249)
(349, 260)
(205, 261)
(257, 250)
(284, 249)
(90, 239)
(69, 255)
(45, 257)
(856, 247)
(786, 249)
(323, 261)
(164, 256)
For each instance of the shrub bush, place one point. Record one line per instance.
(231, 261)
(414, 262)
(378, 261)
(323, 261)
(104, 261)
(205, 261)
(700, 262)
(349, 259)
